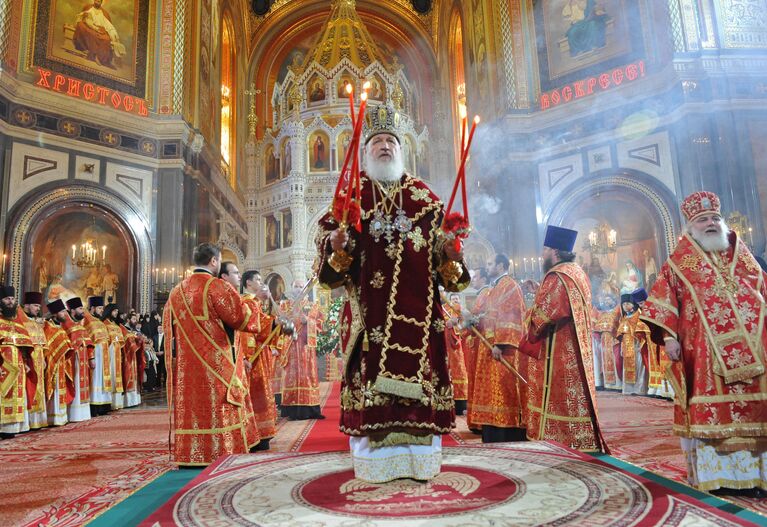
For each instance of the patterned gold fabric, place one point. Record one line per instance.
(497, 396)
(713, 304)
(210, 406)
(562, 401)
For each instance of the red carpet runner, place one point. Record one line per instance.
(325, 436)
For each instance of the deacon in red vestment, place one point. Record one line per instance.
(251, 346)
(396, 396)
(562, 396)
(59, 371)
(498, 396)
(208, 397)
(82, 360)
(708, 305)
(30, 318)
(455, 358)
(301, 385)
(15, 347)
(472, 341)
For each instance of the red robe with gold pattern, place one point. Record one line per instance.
(631, 331)
(254, 348)
(116, 339)
(132, 355)
(58, 364)
(713, 304)
(36, 374)
(208, 398)
(83, 347)
(456, 361)
(14, 345)
(396, 386)
(562, 398)
(605, 323)
(472, 349)
(497, 396)
(301, 385)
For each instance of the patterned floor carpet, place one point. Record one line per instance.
(69, 475)
(520, 484)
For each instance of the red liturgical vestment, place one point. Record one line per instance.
(396, 387)
(497, 394)
(713, 304)
(208, 397)
(254, 348)
(562, 398)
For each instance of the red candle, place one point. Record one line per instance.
(461, 168)
(350, 91)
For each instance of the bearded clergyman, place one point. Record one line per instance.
(707, 307)
(396, 394)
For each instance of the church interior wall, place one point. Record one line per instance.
(684, 107)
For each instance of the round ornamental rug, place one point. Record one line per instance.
(514, 484)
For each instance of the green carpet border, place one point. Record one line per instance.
(708, 499)
(138, 506)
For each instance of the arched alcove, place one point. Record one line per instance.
(48, 224)
(641, 213)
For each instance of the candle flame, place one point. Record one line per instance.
(476, 119)
(349, 89)
(364, 96)
(366, 85)
(462, 111)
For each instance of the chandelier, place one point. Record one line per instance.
(87, 255)
(603, 240)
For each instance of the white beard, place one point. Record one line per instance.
(712, 242)
(385, 171)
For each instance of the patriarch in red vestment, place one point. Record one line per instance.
(208, 398)
(708, 307)
(396, 396)
(561, 393)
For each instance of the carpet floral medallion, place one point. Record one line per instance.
(523, 484)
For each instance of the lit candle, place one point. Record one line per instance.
(524, 265)
(103, 252)
(172, 276)
(750, 236)
(156, 273)
(74, 251)
(511, 266)
(164, 276)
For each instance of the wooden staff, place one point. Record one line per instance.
(503, 361)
